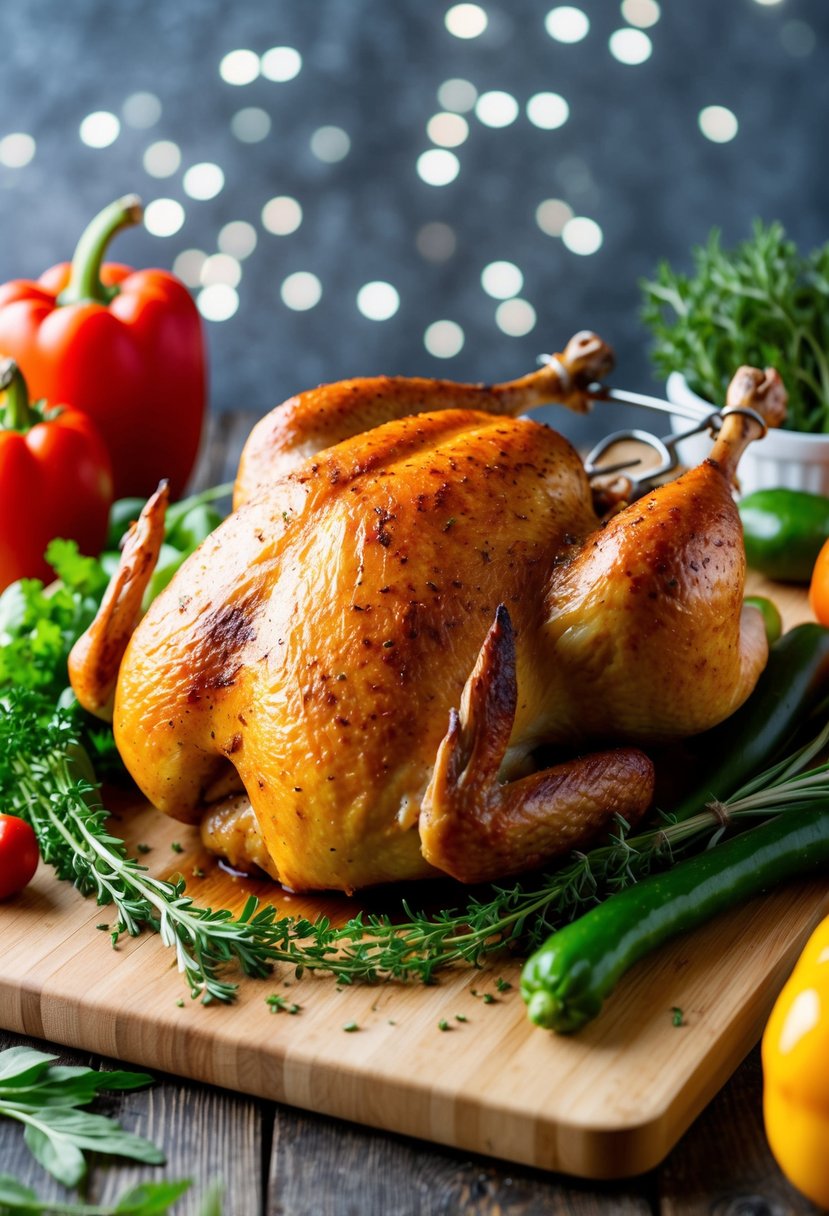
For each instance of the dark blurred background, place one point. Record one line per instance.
(356, 186)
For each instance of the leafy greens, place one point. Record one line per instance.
(762, 303)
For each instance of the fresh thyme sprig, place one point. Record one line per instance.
(42, 779)
(522, 916)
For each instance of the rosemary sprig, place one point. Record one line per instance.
(41, 779)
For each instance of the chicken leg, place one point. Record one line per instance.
(659, 589)
(322, 417)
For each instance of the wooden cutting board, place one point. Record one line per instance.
(609, 1102)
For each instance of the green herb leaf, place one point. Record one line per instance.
(46, 1097)
(150, 1198)
(761, 303)
(147, 1199)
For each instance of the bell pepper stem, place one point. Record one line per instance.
(85, 275)
(16, 414)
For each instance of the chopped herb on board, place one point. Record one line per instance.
(278, 1004)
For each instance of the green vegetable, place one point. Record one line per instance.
(122, 513)
(46, 1098)
(772, 620)
(40, 625)
(784, 530)
(146, 1199)
(761, 303)
(795, 680)
(566, 982)
(38, 779)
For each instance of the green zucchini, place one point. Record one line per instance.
(795, 680)
(568, 979)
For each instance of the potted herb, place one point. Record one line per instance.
(761, 303)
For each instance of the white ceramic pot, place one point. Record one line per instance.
(784, 458)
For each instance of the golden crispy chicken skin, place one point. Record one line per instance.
(442, 567)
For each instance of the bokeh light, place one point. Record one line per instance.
(238, 238)
(100, 129)
(239, 67)
(515, 318)
(16, 150)
(501, 280)
(437, 167)
(548, 111)
(281, 215)
(203, 181)
(436, 242)
(163, 217)
(567, 24)
(466, 20)
(141, 110)
(221, 268)
(378, 300)
(630, 46)
(444, 339)
(251, 125)
(218, 302)
(496, 108)
(459, 95)
(188, 265)
(552, 214)
(582, 235)
(301, 291)
(642, 13)
(162, 159)
(281, 63)
(448, 130)
(718, 123)
(330, 144)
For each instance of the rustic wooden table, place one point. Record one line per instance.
(271, 1159)
(275, 1161)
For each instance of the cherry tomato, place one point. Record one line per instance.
(819, 589)
(18, 855)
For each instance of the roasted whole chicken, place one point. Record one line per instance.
(348, 682)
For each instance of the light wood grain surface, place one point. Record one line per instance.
(609, 1102)
(313, 1165)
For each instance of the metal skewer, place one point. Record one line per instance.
(602, 392)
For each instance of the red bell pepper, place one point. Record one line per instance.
(123, 346)
(55, 480)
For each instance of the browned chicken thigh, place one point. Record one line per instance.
(407, 554)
